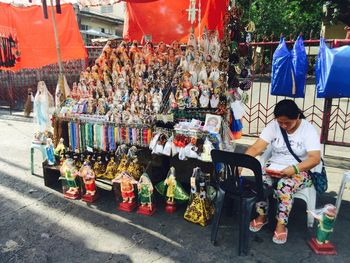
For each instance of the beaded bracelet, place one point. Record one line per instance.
(296, 169)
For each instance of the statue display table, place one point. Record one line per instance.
(41, 148)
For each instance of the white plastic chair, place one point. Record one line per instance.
(346, 178)
(307, 194)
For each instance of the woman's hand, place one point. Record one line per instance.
(288, 171)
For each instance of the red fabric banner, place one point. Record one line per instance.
(167, 20)
(35, 35)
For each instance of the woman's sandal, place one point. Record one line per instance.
(280, 238)
(255, 226)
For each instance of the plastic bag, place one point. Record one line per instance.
(167, 147)
(238, 109)
(289, 70)
(332, 72)
(154, 140)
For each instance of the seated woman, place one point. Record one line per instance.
(292, 175)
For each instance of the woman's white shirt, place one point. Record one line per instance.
(304, 139)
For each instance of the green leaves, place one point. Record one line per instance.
(283, 16)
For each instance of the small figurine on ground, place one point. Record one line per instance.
(88, 176)
(145, 195)
(172, 190)
(127, 189)
(200, 210)
(326, 217)
(70, 172)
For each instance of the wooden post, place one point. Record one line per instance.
(58, 49)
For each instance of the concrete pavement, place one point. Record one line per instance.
(38, 225)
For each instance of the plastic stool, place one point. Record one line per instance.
(40, 147)
(308, 194)
(346, 178)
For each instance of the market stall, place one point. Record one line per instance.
(141, 112)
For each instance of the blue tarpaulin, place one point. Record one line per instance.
(333, 71)
(289, 70)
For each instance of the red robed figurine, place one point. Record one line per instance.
(88, 176)
(127, 188)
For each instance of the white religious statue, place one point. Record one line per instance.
(214, 45)
(204, 42)
(43, 102)
(192, 40)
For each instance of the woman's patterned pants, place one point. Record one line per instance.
(284, 191)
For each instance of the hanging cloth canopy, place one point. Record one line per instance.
(35, 35)
(81, 3)
(168, 20)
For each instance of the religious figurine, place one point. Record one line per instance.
(214, 46)
(122, 167)
(207, 148)
(192, 39)
(88, 176)
(190, 54)
(99, 167)
(171, 55)
(111, 170)
(181, 103)
(326, 217)
(214, 101)
(132, 153)
(145, 195)
(183, 64)
(94, 73)
(43, 101)
(134, 169)
(60, 150)
(204, 43)
(101, 109)
(50, 152)
(70, 173)
(127, 191)
(194, 93)
(186, 83)
(193, 68)
(90, 106)
(75, 93)
(200, 210)
(205, 97)
(172, 190)
(172, 101)
(202, 75)
(214, 73)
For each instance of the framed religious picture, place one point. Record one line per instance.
(212, 123)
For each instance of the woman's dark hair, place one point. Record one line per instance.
(289, 109)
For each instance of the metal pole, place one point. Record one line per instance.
(10, 89)
(326, 122)
(58, 49)
(199, 23)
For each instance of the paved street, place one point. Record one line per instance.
(38, 225)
